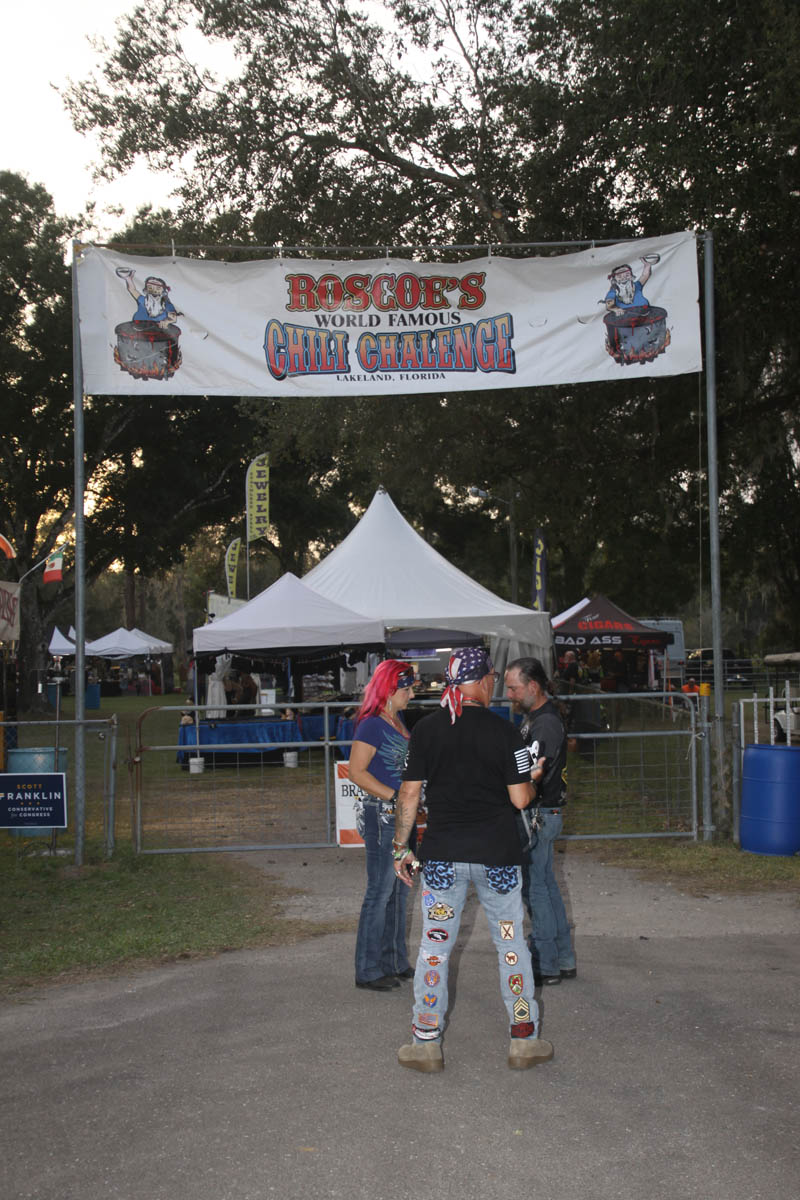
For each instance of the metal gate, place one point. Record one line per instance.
(633, 769)
(632, 773)
(199, 786)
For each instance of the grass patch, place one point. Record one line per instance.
(698, 867)
(62, 921)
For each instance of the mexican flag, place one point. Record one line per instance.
(53, 568)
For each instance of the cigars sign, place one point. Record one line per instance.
(177, 326)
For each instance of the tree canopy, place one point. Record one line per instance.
(475, 121)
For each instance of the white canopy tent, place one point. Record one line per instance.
(154, 644)
(127, 643)
(60, 647)
(385, 569)
(287, 616)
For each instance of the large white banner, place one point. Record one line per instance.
(290, 327)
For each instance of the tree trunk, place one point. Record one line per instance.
(129, 585)
(32, 655)
(141, 603)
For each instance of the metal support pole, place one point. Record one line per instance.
(112, 787)
(737, 717)
(713, 519)
(705, 750)
(512, 552)
(80, 571)
(326, 718)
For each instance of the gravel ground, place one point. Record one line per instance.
(264, 1073)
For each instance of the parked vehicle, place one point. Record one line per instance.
(787, 726)
(675, 651)
(736, 672)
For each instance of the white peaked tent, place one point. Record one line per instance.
(127, 643)
(385, 569)
(60, 647)
(288, 616)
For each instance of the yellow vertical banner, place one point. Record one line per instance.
(257, 489)
(232, 565)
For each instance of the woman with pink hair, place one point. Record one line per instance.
(377, 757)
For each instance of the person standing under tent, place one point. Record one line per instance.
(377, 756)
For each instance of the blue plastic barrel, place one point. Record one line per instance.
(770, 818)
(92, 695)
(34, 758)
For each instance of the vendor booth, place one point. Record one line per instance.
(597, 627)
(122, 644)
(286, 619)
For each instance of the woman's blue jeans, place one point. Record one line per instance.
(381, 938)
(443, 894)
(551, 944)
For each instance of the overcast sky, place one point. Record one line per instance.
(45, 43)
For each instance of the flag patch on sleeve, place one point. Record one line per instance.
(523, 760)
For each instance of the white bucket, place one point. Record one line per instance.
(290, 758)
(197, 766)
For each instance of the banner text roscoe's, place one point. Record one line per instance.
(385, 292)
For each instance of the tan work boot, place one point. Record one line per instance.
(421, 1056)
(527, 1052)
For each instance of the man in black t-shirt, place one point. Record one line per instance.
(476, 771)
(543, 732)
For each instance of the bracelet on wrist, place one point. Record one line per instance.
(400, 853)
(393, 798)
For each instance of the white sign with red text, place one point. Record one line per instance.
(346, 792)
(302, 327)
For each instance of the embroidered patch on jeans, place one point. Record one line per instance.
(512, 958)
(432, 978)
(502, 879)
(429, 1000)
(522, 1030)
(428, 899)
(439, 875)
(506, 930)
(435, 960)
(515, 984)
(441, 912)
(437, 935)
(522, 1010)
(429, 1019)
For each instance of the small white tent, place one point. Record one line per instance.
(385, 569)
(127, 643)
(288, 616)
(60, 647)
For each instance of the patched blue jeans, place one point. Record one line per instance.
(444, 888)
(381, 938)
(551, 944)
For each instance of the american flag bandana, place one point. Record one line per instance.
(464, 666)
(405, 680)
